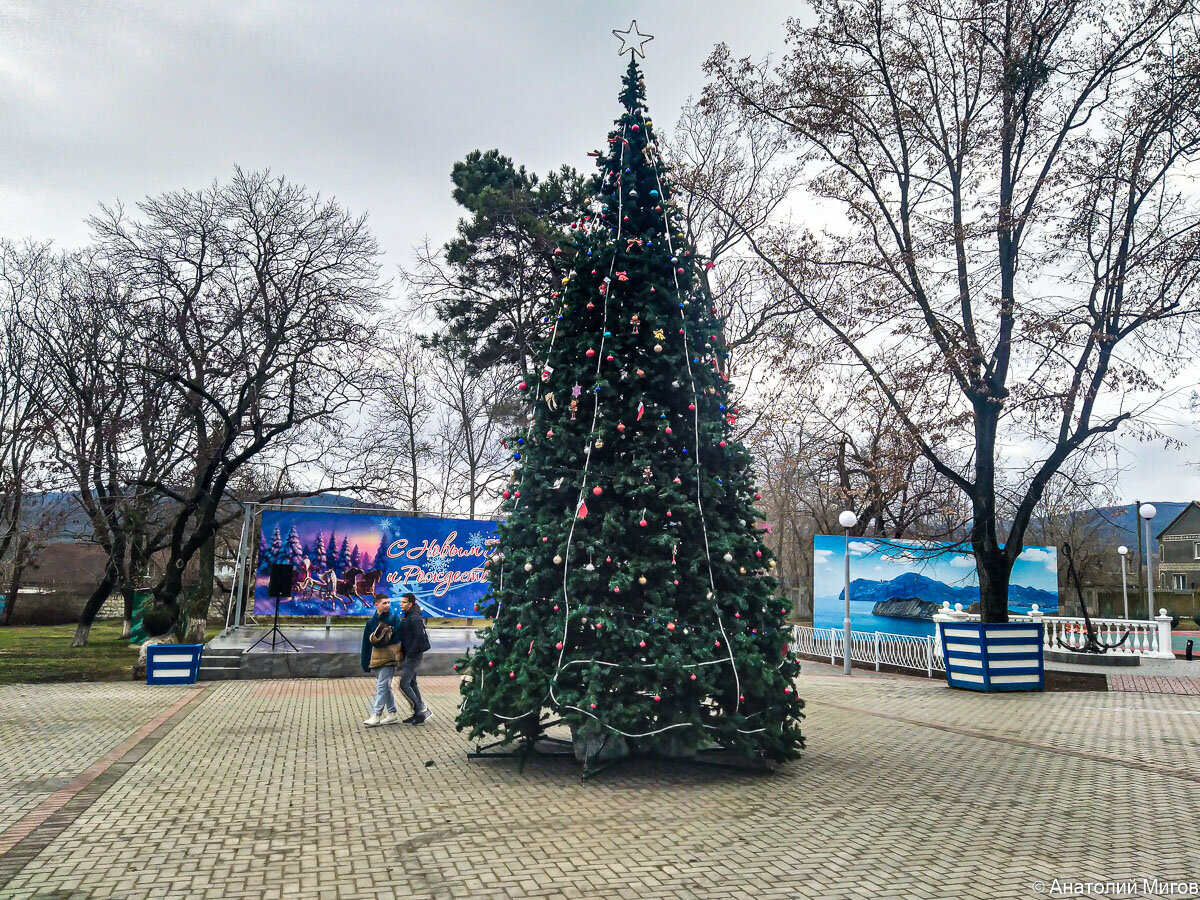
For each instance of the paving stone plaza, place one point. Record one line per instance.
(274, 789)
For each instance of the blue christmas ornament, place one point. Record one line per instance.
(608, 334)
(516, 456)
(653, 192)
(722, 407)
(520, 440)
(685, 451)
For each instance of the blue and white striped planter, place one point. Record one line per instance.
(994, 656)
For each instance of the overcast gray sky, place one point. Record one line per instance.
(371, 101)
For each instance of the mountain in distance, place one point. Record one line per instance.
(915, 586)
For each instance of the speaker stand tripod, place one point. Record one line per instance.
(275, 635)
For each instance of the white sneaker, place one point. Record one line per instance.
(389, 719)
(373, 721)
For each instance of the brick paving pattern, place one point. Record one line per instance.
(909, 790)
(1154, 684)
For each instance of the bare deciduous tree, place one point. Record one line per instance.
(253, 301)
(1016, 237)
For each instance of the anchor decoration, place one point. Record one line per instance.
(1093, 644)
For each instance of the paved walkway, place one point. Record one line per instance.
(273, 789)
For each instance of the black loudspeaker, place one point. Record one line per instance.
(279, 583)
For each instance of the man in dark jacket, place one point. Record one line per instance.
(381, 659)
(415, 642)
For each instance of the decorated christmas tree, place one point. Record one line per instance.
(630, 591)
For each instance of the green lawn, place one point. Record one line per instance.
(43, 653)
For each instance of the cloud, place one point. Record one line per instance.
(962, 562)
(820, 557)
(858, 548)
(1048, 557)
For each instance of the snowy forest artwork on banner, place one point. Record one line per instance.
(896, 586)
(340, 561)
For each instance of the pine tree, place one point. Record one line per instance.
(275, 551)
(294, 554)
(355, 557)
(636, 602)
(343, 559)
(318, 557)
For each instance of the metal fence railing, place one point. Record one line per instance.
(906, 651)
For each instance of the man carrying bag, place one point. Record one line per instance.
(382, 653)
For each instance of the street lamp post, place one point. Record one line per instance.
(847, 520)
(1124, 551)
(1148, 512)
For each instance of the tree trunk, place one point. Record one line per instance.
(18, 572)
(95, 601)
(994, 573)
(196, 607)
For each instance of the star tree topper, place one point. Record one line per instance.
(632, 40)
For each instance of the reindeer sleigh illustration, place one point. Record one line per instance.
(352, 587)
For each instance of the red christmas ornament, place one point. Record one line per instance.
(558, 646)
(641, 643)
(758, 496)
(590, 353)
(591, 305)
(490, 663)
(512, 674)
(556, 607)
(597, 490)
(616, 590)
(677, 581)
(550, 433)
(788, 689)
(522, 386)
(593, 706)
(668, 429)
(640, 373)
(670, 626)
(643, 523)
(717, 644)
(721, 444)
(691, 406)
(545, 539)
(693, 676)
(517, 494)
(620, 426)
(506, 495)
(609, 358)
(518, 626)
(657, 698)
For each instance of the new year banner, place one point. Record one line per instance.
(340, 561)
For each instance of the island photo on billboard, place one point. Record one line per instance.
(897, 586)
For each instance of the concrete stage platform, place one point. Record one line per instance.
(320, 653)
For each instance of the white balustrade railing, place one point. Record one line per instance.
(1150, 638)
(1147, 637)
(906, 651)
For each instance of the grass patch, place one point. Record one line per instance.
(37, 653)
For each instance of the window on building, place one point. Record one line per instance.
(1181, 582)
(1196, 550)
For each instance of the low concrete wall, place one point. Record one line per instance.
(328, 665)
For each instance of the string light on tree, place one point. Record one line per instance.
(644, 400)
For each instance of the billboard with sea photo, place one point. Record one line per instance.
(340, 561)
(896, 586)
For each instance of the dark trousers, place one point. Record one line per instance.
(408, 681)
